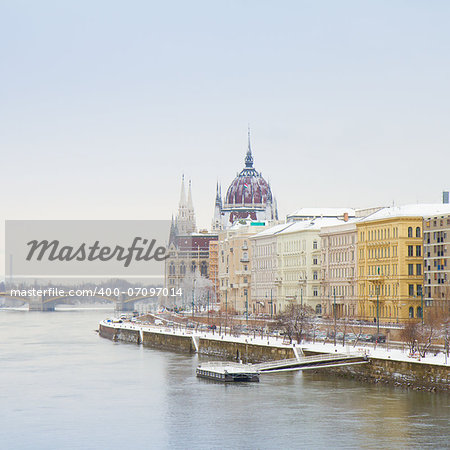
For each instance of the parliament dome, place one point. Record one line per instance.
(249, 188)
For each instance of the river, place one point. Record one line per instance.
(64, 387)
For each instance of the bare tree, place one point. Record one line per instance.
(429, 332)
(410, 334)
(357, 330)
(345, 327)
(295, 321)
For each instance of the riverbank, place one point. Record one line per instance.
(387, 366)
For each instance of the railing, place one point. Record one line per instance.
(308, 359)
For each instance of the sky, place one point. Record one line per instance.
(105, 104)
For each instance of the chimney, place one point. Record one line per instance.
(346, 217)
(445, 197)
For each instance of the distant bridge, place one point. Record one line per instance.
(48, 303)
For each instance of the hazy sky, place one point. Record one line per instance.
(104, 104)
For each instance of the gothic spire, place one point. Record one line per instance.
(182, 193)
(190, 203)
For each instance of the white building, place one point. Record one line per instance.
(264, 284)
(299, 262)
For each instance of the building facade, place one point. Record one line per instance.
(339, 267)
(265, 275)
(391, 263)
(299, 263)
(235, 266)
(214, 267)
(189, 255)
(437, 262)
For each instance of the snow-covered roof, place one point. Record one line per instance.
(342, 226)
(415, 210)
(272, 230)
(315, 224)
(322, 212)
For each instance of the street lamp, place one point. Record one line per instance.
(334, 311)
(226, 311)
(271, 304)
(421, 301)
(246, 306)
(378, 307)
(301, 282)
(193, 293)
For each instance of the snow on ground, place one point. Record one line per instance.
(381, 352)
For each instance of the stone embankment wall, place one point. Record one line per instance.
(246, 352)
(117, 334)
(168, 342)
(412, 375)
(398, 373)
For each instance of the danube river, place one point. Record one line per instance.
(64, 387)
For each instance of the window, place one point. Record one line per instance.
(418, 250)
(418, 269)
(418, 232)
(419, 312)
(411, 312)
(319, 309)
(419, 290)
(410, 250)
(410, 269)
(315, 275)
(315, 245)
(204, 269)
(315, 261)
(411, 290)
(315, 292)
(410, 232)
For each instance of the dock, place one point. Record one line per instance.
(228, 372)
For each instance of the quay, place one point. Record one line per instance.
(373, 365)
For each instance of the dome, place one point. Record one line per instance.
(249, 188)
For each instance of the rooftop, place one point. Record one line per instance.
(415, 210)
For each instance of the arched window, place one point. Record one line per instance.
(193, 267)
(418, 232)
(419, 312)
(172, 269)
(410, 233)
(182, 269)
(411, 312)
(204, 269)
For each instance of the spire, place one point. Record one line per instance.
(182, 193)
(217, 192)
(249, 157)
(190, 204)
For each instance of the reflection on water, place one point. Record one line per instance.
(64, 387)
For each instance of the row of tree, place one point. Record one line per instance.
(298, 321)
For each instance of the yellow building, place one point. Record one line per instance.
(390, 264)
